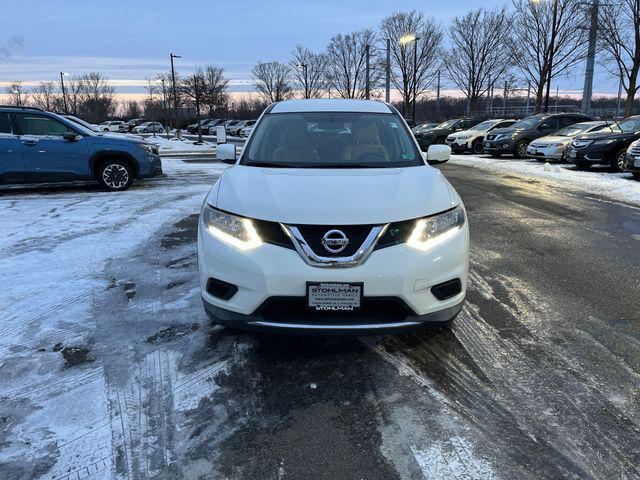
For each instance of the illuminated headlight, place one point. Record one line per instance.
(148, 147)
(605, 141)
(434, 230)
(237, 231)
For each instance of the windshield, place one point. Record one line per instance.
(481, 127)
(529, 122)
(630, 125)
(332, 140)
(448, 124)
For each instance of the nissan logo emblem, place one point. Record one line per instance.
(335, 241)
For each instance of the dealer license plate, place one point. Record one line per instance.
(334, 297)
(532, 151)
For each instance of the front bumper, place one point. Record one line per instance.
(506, 145)
(153, 167)
(553, 152)
(458, 145)
(274, 272)
(594, 155)
(632, 164)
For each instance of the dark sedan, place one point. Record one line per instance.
(600, 148)
(439, 134)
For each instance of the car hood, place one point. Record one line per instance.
(551, 139)
(599, 135)
(432, 132)
(333, 196)
(116, 137)
(471, 132)
(507, 131)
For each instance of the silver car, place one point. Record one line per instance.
(149, 127)
(553, 147)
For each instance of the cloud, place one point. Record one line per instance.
(13, 45)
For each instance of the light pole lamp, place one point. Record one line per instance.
(64, 94)
(404, 40)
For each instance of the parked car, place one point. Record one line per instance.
(410, 122)
(424, 126)
(111, 126)
(472, 140)
(602, 148)
(554, 147)
(239, 125)
(246, 131)
(515, 139)
(231, 124)
(300, 236)
(193, 128)
(131, 124)
(633, 160)
(439, 134)
(149, 127)
(88, 125)
(42, 147)
(210, 128)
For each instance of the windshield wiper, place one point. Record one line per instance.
(272, 164)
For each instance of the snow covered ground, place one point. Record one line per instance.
(598, 180)
(175, 145)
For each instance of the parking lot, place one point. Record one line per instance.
(111, 369)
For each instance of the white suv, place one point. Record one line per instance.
(332, 220)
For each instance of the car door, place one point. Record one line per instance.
(47, 155)
(11, 162)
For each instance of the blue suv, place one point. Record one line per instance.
(42, 147)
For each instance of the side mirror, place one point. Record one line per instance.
(70, 136)
(226, 152)
(221, 134)
(438, 154)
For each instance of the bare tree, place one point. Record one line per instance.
(131, 109)
(346, 59)
(17, 94)
(478, 51)
(620, 39)
(308, 71)
(194, 90)
(428, 53)
(532, 31)
(96, 98)
(43, 95)
(216, 95)
(272, 81)
(151, 87)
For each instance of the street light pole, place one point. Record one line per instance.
(64, 94)
(415, 76)
(587, 92)
(304, 67)
(366, 78)
(175, 93)
(387, 92)
(552, 46)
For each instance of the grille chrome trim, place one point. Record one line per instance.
(358, 258)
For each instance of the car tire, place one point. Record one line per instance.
(583, 165)
(115, 175)
(521, 149)
(617, 163)
(477, 148)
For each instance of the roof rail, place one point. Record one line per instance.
(22, 107)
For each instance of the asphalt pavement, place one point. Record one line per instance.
(538, 378)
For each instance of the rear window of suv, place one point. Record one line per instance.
(332, 140)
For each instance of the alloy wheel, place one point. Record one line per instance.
(115, 176)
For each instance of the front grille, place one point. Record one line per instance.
(373, 310)
(313, 234)
(635, 151)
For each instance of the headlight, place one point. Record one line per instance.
(505, 136)
(237, 231)
(431, 231)
(605, 141)
(148, 147)
(581, 143)
(463, 137)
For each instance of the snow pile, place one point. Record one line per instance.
(180, 145)
(618, 186)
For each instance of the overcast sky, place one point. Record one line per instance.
(128, 40)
